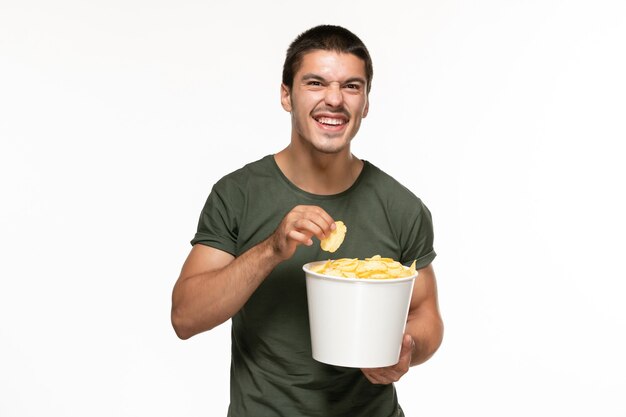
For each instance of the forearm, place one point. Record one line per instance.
(213, 286)
(426, 328)
(204, 300)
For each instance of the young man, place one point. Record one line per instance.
(257, 229)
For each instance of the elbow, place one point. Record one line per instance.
(439, 338)
(436, 332)
(428, 338)
(186, 325)
(182, 333)
(181, 325)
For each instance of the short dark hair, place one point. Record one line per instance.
(326, 38)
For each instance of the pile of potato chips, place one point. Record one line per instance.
(375, 267)
(371, 268)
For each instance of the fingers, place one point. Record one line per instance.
(407, 350)
(313, 220)
(299, 226)
(310, 221)
(300, 237)
(384, 376)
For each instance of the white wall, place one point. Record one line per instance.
(116, 118)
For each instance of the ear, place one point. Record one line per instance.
(367, 107)
(285, 97)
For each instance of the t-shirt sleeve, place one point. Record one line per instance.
(218, 226)
(418, 237)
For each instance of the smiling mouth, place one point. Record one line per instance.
(331, 121)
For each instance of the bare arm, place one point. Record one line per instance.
(213, 285)
(424, 322)
(423, 333)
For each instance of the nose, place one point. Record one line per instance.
(333, 96)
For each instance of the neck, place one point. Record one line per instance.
(319, 173)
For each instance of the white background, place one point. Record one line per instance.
(505, 117)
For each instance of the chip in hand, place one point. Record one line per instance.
(335, 239)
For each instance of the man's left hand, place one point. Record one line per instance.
(393, 373)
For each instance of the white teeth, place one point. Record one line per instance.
(330, 121)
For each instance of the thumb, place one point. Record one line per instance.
(407, 341)
(407, 345)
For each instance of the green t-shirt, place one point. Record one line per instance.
(272, 370)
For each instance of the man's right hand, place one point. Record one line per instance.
(214, 285)
(298, 227)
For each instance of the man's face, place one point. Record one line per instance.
(327, 101)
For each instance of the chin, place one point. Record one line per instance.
(331, 148)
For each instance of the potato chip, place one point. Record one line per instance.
(375, 267)
(321, 267)
(335, 239)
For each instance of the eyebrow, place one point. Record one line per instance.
(312, 76)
